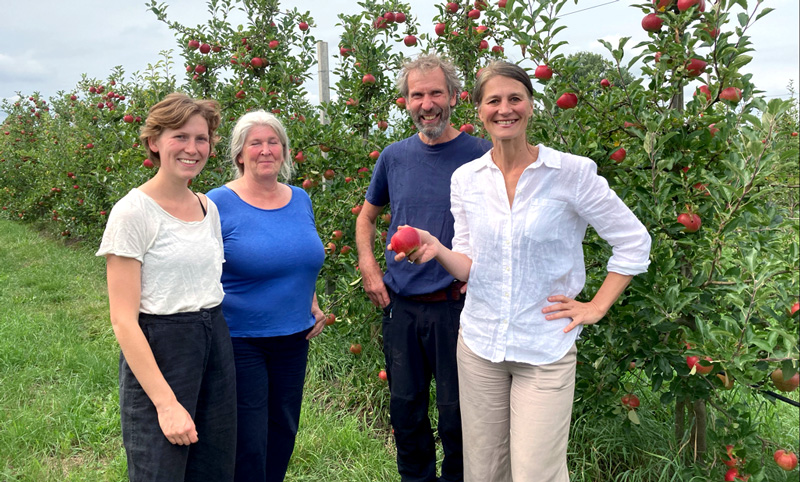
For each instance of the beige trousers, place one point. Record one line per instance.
(515, 418)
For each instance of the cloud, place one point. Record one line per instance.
(21, 69)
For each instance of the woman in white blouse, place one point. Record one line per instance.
(521, 213)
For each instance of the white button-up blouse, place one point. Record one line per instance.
(524, 253)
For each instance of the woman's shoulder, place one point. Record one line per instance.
(565, 160)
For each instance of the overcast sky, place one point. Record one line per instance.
(46, 45)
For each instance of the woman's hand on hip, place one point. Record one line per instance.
(176, 424)
(581, 313)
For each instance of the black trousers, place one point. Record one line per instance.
(419, 343)
(194, 353)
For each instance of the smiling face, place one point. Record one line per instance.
(262, 153)
(429, 102)
(505, 108)
(183, 151)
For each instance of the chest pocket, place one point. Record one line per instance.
(544, 219)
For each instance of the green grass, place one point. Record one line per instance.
(59, 417)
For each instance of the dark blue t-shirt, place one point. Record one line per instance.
(272, 260)
(415, 178)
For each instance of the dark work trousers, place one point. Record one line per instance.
(193, 352)
(419, 342)
(270, 373)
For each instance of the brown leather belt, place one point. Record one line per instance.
(451, 293)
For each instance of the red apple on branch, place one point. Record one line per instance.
(695, 67)
(543, 72)
(785, 460)
(694, 362)
(618, 155)
(410, 40)
(440, 29)
(568, 100)
(652, 23)
(691, 221)
(630, 401)
(368, 79)
(731, 94)
(605, 83)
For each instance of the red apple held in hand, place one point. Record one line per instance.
(410, 40)
(368, 79)
(355, 348)
(731, 94)
(382, 375)
(405, 240)
(785, 385)
(785, 460)
(652, 23)
(618, 155)
(440, 29)
(691, 221)
(695, 67)
(568, 100)
(543, 72)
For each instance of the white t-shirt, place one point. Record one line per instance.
(181, 260)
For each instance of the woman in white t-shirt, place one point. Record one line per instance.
(164, 255)
(521, 213)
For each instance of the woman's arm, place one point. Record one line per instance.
(457, 264)
(593, 311)
(124, 292)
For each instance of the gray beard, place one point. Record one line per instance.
(433, 132)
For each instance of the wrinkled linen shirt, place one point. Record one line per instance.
(522, 254)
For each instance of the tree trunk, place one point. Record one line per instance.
(699, 429)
